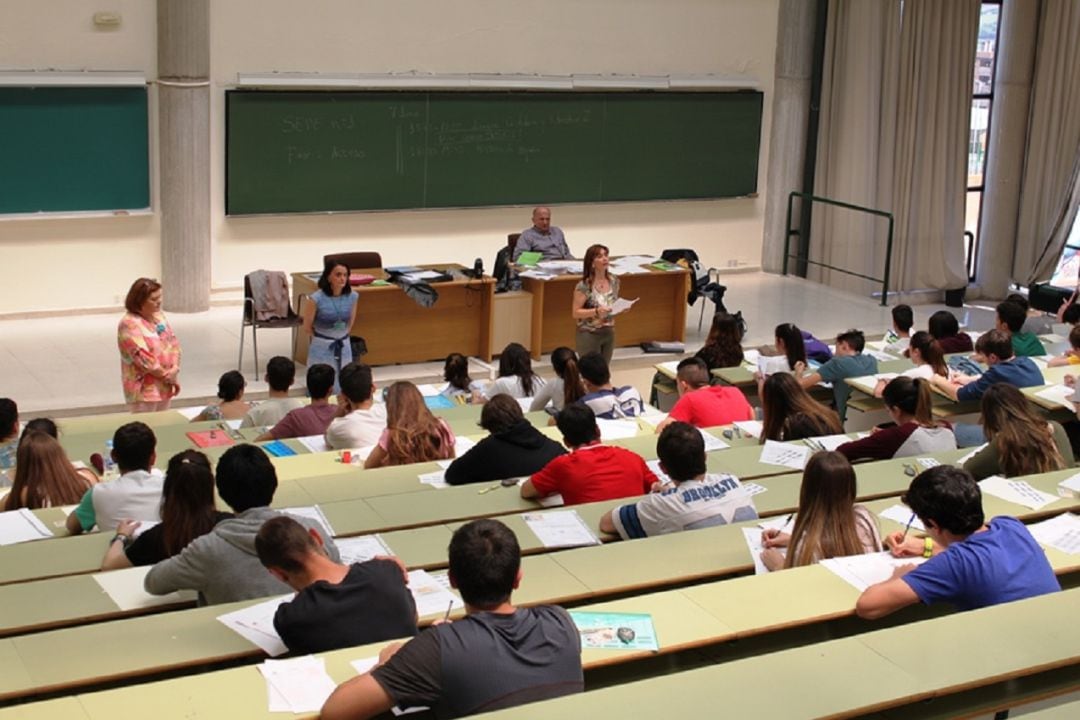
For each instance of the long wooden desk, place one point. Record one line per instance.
(397, 330)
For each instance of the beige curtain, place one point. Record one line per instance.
(1049, 191)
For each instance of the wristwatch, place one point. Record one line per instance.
(125, 539)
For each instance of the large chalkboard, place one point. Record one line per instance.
(73, 149)
(316, 151)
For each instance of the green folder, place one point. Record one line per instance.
(529, 258)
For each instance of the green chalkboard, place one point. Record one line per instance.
(316, 151)
(73, 149)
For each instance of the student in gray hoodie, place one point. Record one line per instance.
(222, 565)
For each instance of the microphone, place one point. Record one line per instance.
(478, 268)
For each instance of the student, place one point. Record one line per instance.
(44, 476)
(1036, 322)
(359, 421)
(412, 433)
(789, 413)
(896, 339)
(828, 523)
(791, 349)
(591, 471)
(40, 424)
(187, 512)
(1010, 318)
(607, 402)
(336, 605)
(514, 447)
(280, 375)
(693, 500)
(496, 657)
(311, 419)
(516, 376)
(135, 495)
(848, 362)
(925, 354)
(972, 564)
(704, 405)
(566, 388)
(1019, 439)
(946, 330)
(222, 565)
(1072, 355)
(996, 349)
(914, 432)
(231, 405)
(459, 386)
(9, 433)
(723, 348)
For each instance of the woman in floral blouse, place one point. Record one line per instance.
(149, 350)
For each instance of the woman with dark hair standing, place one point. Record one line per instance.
(789, 413)
(594, 297)
(723, 346)
(231, 393)
(566, 388)
(149, 350)
(516, 376)
(328, 319)
(187, 512)
(413, 434)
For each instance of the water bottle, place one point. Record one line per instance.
(107, 460)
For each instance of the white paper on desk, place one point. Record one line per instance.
(712, 442)
(654, 465)
(125, 588)
(361, 549)
(17, 526)
(462, 445)
(621, 305)
(652, 417)
(975, 451)
(1059, 394)
(1070, 486)
(422, 275)
(428, 390)
(256, 624)
(784, 454)
(525, 403)
(754, 489)
(772, 364)
(234, 424)
(312, 512)
(617, 429)
(1016, 491)
(671, 366)
(752, 535)
(189, 412)
(536, 274)
(551, 501)
(927, 463)
(301, 682)
(435, 479)
(830, 442)
(314, 443)
(750, 356)
(753, 428)
(562, 528)
(783, 523)
(1061, 532)
(868, 569)
(902, 514)
(431, 597)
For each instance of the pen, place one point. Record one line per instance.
(448, 609)
(787, 521)
(908, 527)
(489, 488)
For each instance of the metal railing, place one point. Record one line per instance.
(805, 260)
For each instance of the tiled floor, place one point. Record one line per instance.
(66, 365)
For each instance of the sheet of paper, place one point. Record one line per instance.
(428, 390)
(552, 501)
(753, 428)
(752, 535)
(1016, 491)
(536, 274)
(314, 443)
(1059, 394)
(462, 445)
(672, 366)
(770, 365)
(125, 588)
(17, 526)
(652, 418)
(974, 451)
(712, 442)
(862, 571)
(654, 465)
(784, 523)
(616, 429)
(361, 549)
(927, 463)
(750, 356)
(301, 682)
(312, 512)
(1070, 486)
(423, 275)
(902, 514)
(563, 528)
(621, 305)
(435, 479)
(829, 442)
(430, 596)
(234, 424)
(615, 631)
(1061, 532)
(784, 454)
(256, 624)
(525, 403)
(189, 412)
(754, 489)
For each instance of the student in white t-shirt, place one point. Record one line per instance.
(896, 339)
(691, 500)
(606, 401)
(360, 421)
(926, 356)
(516, 376)
(280, 375)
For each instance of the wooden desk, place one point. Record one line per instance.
(659, 314)
(397, 330)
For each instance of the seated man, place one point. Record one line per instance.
(135, 495)
(606, 402)
(591, 471)
(543, 237)
(9, 433)
(359, 421)
(972, 563)
(693, 499)
(497, 656)
(312, 419)
(1010, 318)
(513, 449)
(996, 350)
(847, 362)
(897, 338)
(280, 374)
(704, 405)
(336, 605)
(222, 564)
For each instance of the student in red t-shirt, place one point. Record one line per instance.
(704, 405)
(591, 471)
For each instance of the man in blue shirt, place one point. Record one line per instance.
(996, 350)
(972, 563)
(543, 237)
(847, 362)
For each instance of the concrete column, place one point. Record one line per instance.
(184, 152)
(787, 137)
(1007, 144)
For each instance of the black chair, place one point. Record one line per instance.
(292, 321)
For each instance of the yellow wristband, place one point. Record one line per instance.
(928, 547)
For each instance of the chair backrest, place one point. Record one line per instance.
(268, 298)
(511, 240)
(354, 260)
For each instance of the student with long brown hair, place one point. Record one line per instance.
(828, 523)
(1020, 441)
(723, 346)
(914, 432)
(791, 414)
(594, 297)
(412, 434)
(566, 388)
(187, 512)
(44, 476)
(926, 355)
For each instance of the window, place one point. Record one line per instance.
(981, 106)
(1067, 272)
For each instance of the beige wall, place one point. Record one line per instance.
(728, 37)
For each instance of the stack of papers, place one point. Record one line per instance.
(255, 623)
(1057, 394)
(312, 512)
(125, 588)
(559, 267)
(784, 454)
(712, 442)
(299, 685)
(562, 528)
(435, 479)
(361, 549)
(752, 428)
(314, 443)
(616, 429)
(1061, 532)
(1016, 491)
(862, 571)
(21, 525)
(1070, 487)
(902, 514)
(536, 274)
(432, 597)
(421, 276)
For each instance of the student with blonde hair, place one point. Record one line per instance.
(44, 476)
(412, 433)
(789, 413)
(1019, 440)
(915, 432)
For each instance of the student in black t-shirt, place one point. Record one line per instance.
(336, 605)
(497, 656)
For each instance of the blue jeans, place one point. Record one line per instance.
(968, 435)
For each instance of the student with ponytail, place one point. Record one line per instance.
(926, 355)
(566, 388)
(908, 402)
(1019, 440)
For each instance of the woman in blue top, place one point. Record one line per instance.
(328, 319)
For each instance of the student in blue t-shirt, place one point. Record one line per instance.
(847, 362)
(972, 563)
(996, 350)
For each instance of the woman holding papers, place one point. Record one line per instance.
(149, 350)
(44, 476)
(328, 319)
(789, 413)
(1019, 440)
(828, 523)
(594, 298)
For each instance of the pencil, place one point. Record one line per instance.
(908, 526)
(448, 609)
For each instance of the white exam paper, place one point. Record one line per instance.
(831, 442)
(753, 428)
(1059, 394)
(754, 489)
(17, 526)
(256, 624)
(312, 512)
(435, 479)
(862, 571)
(462, 445)
(654, 465)
(712, 442)
(302, 683)
(361, 549)
(1016, 491)
(430, 596)
(314, 443)
(563, 528)
(752, 535)
(125, 588)
(1061, 532)
(902, 514)
(617, 429)
(784, 454)
(428, 390)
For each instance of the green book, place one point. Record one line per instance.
(379, 282)
(529, 258)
